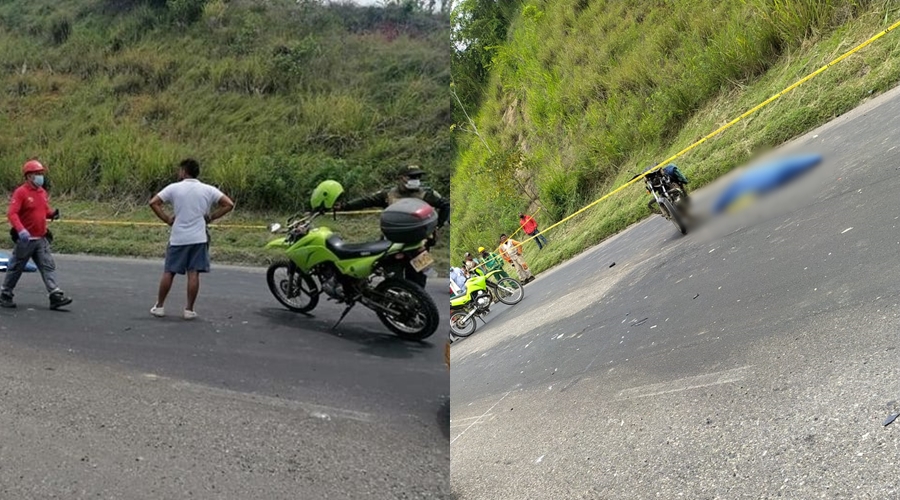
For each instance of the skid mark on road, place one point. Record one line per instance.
(684, 384)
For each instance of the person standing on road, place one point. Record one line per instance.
(195, 205)
(512, 253)
(28, 212)
(529, 225)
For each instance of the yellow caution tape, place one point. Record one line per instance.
(162, 224)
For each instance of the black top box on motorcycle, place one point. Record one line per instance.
(409, 220)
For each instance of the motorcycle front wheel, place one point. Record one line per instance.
(509, 291)
(292, 287)
(460, 326)
(418, 317)
(674, 215)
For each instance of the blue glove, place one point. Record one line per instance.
(24, 235)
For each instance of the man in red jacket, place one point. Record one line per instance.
(28, 213)
(529, 225)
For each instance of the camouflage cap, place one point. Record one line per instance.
(410, 170)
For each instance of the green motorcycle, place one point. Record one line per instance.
(320, 261)
(476, 302)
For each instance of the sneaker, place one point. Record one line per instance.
(6, 300)
(157, 311)
(58, 299)
(189, 314)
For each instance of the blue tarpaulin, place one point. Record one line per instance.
(764, 178)
(4, 261)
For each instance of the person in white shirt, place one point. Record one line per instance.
(195, 205)
(512, 253)
(458, 278)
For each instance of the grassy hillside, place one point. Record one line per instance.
(271, 96)
(585, 93)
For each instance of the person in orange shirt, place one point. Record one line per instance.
(512, 253)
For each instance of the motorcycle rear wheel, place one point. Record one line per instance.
(409, 297)
(462, 330)
(304, 285)
(674, 215)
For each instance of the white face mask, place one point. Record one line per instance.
(413, 183)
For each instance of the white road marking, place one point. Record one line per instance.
(684, 384)
(470, 418)
(479, 418)
(314, 410)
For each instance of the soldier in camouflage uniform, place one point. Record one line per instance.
(409, 185)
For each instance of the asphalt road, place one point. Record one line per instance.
(755, 358)
(249, 401)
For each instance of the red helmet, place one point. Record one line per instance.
(32, 166)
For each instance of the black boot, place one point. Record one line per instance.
(6, 300)
(58, 299)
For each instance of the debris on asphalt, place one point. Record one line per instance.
(695, 296)
(612, 264)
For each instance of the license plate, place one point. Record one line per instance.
(422, 261)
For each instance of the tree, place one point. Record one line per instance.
(478, 28)
(431, 6)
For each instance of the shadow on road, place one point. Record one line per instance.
(382, 344)
(443, 418)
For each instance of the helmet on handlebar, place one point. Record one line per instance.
(325, 195)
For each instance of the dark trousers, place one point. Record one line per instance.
(39, 250)
(538, 238)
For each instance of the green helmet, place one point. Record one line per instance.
(325, 195)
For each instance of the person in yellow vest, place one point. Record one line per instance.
(512, 253)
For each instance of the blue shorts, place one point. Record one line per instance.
(185, 258)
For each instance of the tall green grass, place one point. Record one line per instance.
(271, 97)
(591, 92)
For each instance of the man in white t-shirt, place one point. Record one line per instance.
(195, 205)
